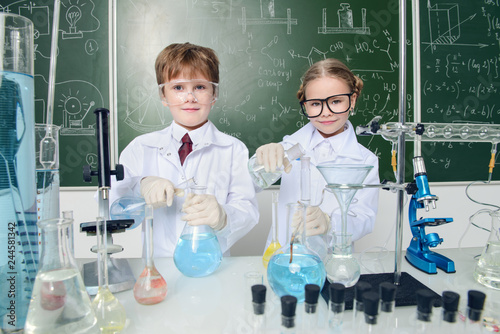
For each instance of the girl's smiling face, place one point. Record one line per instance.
(328, 123)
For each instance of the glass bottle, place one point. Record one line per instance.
(369, 323)
(358, 307)
(258, 321)
(110, 313)
(197, 253)
(448, 321)
(295, 265)
(310, 316)
(275, 244)
(288, 307)
(264, 179)
(487, 271)
(337, 307)
(150, 288)
(475, 305)
(387, 319)
(425, 299)
(59, 303)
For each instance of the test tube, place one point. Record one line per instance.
(310, 317)
(337, 306)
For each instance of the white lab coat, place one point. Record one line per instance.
(217, 161)
(363, 209)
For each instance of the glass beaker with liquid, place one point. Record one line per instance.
(47, 174)
(487, 270)
(197, 252)
(294, 265)
(59, 303)
(19, 233)
(265, 179)
(150, 288)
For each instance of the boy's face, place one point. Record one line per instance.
(189, 100)
(328, 123)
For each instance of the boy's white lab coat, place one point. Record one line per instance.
(219, 162)
(363, 209)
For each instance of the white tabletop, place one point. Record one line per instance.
(218, 304)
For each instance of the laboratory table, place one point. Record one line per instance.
(219, 303)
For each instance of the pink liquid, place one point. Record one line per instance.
(150, 287)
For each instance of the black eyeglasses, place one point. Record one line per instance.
(337, 104)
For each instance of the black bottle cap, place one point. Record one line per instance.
(360, 288)
(370, 302)
(476, 299)
(312, 293)
(337, 293)
(387, 291)
(259, 293)
(288, 305)
(450, 301)
(425, 299)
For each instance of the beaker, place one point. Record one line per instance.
(294, 265)
(110, 313)
(275, 244)
(487, 270)
(197, 252)
(19, 232)
(341, 266)
(59, 303)
(47, 175)
(150, 288)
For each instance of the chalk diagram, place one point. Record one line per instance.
(346, 22)
(267, 16)
(445, 25)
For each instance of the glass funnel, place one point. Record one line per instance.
(150, 287)
(275, 244)
(59, 303)
(197, 252)
(343, 180)
(487, 270)
(110, 313)
(294, 265)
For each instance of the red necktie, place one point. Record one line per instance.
(186, 148)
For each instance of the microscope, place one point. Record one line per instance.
(418, 253)
(119, 272)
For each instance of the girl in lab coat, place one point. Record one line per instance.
(188, 77)
(327, 96)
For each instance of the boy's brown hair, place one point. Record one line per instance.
(186, 59)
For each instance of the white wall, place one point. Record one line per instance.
(452, 203)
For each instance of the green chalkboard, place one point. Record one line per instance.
(264, 48)
(82, 79)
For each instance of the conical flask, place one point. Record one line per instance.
(487, 270)
(59, 303)
(275, 244)
(110, 313)
(197, 252)
(150, 288)
(343, 180)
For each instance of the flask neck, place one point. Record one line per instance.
(55, 242)
(342, 244)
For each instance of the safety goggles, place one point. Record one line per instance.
(178, 92)
(337, 104)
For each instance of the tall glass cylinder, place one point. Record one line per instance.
(60, 303)
(18, 230)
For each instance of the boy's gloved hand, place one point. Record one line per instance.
(157, 191)
(317, 222)
(272, 156)
(204, 210)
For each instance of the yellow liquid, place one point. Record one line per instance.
(273, 247)
(111, 316)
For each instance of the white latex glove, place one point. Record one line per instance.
(157, 191)
(204, 210)
(317, 222)
(272, 156)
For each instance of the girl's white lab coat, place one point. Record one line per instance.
(363, 209)
(219, 162)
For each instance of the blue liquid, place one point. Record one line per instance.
(129, 207)
(197, 255)
(18, 233)
(287, 278)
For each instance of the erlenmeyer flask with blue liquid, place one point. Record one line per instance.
(198, 252)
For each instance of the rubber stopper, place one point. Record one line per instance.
(387, 291)
(370, 302)
(476, 299)
(450, 301)
(337, 293)
(360, 288)
(425, 299)
(288, 306)
(259, 293)
(312, 293)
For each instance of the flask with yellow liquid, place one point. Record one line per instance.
(275, 244)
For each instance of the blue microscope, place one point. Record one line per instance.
(418, 253)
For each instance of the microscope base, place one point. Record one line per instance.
(429, 261)
(120, 276)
